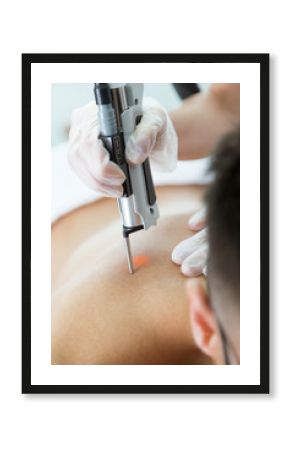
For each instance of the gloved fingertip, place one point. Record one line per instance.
(110, 174)
(113, 193)
(197, 220)
(135, 155)
(195, 224)
(114, 181)
(110, 191)
(176, 257)
(186, 271)
(190, 271)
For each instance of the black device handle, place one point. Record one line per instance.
(113, 143)
(115, 146)
(151, 195)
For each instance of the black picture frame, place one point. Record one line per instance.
(263, 61)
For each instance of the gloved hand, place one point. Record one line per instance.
(191, 254)
(154, 136)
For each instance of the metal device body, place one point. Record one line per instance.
(120, 111)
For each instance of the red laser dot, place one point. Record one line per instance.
(141, 260)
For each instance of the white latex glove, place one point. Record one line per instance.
(191, 254)
(154, 136)
(88, 156)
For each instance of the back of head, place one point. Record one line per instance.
(223, 202)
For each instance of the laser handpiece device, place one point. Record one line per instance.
(120, 111)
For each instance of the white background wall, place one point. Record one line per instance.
(139, 422)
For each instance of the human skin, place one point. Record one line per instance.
(204, 118)
(103, 315)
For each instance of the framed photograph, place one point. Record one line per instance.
(145, 231)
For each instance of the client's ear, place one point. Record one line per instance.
(203, 323)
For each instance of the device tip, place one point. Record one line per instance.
(129, 255)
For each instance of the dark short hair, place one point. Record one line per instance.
(223, 204)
